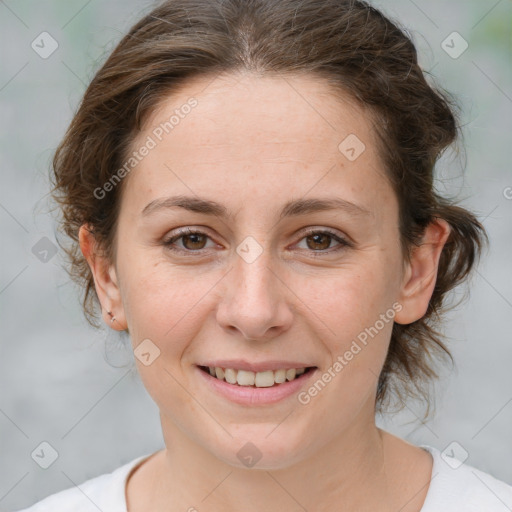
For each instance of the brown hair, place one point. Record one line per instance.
(350, 44)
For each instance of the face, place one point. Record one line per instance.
(267, 278)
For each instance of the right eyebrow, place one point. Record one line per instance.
(293, 208)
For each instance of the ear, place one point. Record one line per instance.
(420, 275)
(105, 280)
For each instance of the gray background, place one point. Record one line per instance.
(58, 382)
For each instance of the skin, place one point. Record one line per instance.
(252, 144)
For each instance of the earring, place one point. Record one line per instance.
(113, 317)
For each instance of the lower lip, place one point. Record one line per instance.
(247, 395)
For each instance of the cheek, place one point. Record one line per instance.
(163, 303)
(355, 315)
(349, 298)
(168, 308)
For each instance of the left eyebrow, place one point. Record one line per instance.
(293, 208)
(193, 204)
(305, 206)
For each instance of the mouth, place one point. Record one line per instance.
(264, 379)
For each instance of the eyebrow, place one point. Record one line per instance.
(291, 209)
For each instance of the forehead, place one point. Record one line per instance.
(268, 130)
(247, 112)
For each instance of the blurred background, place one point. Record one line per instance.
(65, 384)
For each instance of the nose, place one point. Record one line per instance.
(255, 300)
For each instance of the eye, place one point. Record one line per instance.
(319, 241)
(192, 240)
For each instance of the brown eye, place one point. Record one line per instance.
(194, 241)
(191, 241)
(319, 241)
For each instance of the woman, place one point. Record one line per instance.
(248, 189)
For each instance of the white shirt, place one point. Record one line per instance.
(454, 487)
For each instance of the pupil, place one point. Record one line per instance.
(317, 236)
(194, 241)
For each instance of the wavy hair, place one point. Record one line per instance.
(355, 49)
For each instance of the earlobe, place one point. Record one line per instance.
(420, 274)
(105, 280)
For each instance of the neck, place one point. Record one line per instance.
(359, 469)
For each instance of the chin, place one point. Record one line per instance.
(261, 447)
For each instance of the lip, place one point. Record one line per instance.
(241, 364)
(247, 395)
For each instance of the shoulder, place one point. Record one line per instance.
(456, 486)
(105, 492)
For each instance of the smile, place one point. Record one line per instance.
(262, 379)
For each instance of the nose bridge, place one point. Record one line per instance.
(254, 279)
(255, 301)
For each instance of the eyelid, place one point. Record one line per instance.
(323, 229)
(168, 241)
(343, 240)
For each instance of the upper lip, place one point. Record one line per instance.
(241, 364)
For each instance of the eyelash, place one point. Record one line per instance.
(168, 243)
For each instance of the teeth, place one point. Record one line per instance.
(280, 376)
(259, 379)
(264, 379)
(245, 378)
(230, 375)
(290, 374)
